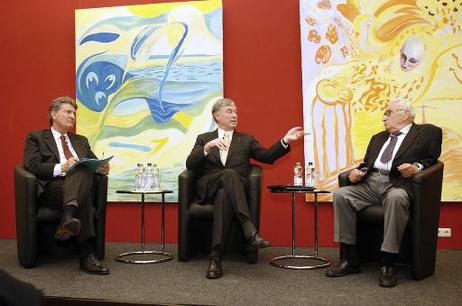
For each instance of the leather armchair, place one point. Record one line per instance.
(36, 225)
(419, 243)
(195, 220)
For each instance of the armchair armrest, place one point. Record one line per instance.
(26, 187)
(100, 183)
(254, 194)
(425, 211)
(186, 187)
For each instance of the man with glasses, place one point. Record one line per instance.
(392, 158)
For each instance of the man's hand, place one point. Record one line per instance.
(408, 170)
(356, 175)
(217, 142)
(104, 170)
(293, 134)
(69, 163)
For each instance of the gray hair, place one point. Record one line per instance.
(220, 103)
(405, 104)
(56, 105)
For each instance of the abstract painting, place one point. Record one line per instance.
(357, 55)
(146, 78)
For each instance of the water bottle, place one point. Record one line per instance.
(148, 177)
(313, 175)
(156, 177)
(298, 174)
(139, 176)
(308, 178)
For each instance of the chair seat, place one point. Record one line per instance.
(371, 215)
(201, 211)
(46, 214)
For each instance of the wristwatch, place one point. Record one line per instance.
(419, 166)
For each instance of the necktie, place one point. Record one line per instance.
(224, 153)
(388, 152)
(67, 151)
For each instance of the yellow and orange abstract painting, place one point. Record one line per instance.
(357, 56)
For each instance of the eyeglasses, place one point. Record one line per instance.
(388, 112)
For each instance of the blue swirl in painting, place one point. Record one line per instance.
(161, 110)
(97, 78)
(102, 37)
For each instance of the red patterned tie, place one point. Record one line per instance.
(388, 152)
(67, 151)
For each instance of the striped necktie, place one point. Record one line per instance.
(67, 151)
(388, 152)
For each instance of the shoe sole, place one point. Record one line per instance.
(343, 274)
(94, 272)
(259, 246)
(68, 229)
(213, 276)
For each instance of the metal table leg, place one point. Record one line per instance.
(164, 256)
(322, 261)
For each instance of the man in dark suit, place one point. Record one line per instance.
(222, 159)
(392, 158)
(49, 154)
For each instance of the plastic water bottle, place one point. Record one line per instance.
(156, 177)
(308, 178)
(148, 177)
(298, 174)
(139, 176)
(313, 175)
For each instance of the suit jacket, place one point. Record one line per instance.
(41, 153)
(243, 147)
(421, 144)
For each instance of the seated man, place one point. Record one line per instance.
(48, 154)
(222, 160)
(392, 158)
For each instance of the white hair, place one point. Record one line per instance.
(405, 104)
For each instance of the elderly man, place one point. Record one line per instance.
(49, 154)
(392, 158)
(222, 159)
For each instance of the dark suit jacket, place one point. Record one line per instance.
(422, 144)
(41, 153)
(243, 147)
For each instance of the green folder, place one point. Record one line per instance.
(93, 164)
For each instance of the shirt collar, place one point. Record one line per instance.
(405, 129)
(221, 133)
(56, 134)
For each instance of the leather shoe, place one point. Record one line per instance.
(92, 265)
(214, 270)
(69, 226)
(343, 268)
(387, 277)
(257, 242)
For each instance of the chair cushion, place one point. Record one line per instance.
(201, 211)
(46, 214)
(371, 215)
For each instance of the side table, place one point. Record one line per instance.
(164, 256)
(315, 257)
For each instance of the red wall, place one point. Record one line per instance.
(262, 73)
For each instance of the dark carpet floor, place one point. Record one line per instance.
(177, 282)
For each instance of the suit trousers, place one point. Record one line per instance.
(375, 190)
(75, 186)
(226, 190)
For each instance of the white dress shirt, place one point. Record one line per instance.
(62, 158)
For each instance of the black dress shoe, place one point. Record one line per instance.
(92, 265)
(69, 226)
(342, 269)
(387, 277)
(257, 242)
(214, 270)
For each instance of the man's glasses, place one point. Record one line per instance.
(388, 112)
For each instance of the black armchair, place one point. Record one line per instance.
(195, 220)
(36, 225)
(419, 243)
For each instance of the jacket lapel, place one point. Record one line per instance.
(76, 145)
(51, 143)
(408, 140)
(377, 147)
(215, 152)
(234, 146)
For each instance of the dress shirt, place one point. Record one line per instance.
(62, 159)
